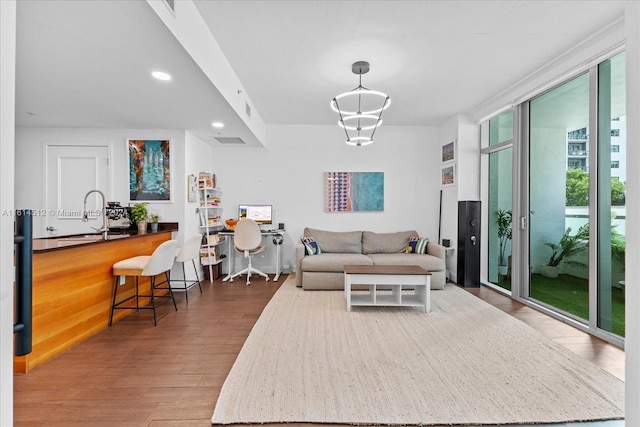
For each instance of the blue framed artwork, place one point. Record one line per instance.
(149, 170)
(354, 191)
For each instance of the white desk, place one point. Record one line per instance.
(232, 258)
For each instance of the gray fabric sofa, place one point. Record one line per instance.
(325, 271)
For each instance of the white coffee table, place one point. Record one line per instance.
(381, 278)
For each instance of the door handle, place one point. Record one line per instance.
(51, 229)
(473, 240)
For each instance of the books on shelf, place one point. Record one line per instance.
(210, 212)
(206, 180)
(209, 255)
(212, 202)
(213, 239)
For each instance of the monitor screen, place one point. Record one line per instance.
(259, 213)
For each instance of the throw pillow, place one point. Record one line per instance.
(311, 247)
(417, 245)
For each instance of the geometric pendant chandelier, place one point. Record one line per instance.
(360, 109)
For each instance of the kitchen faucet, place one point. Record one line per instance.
(105, 222)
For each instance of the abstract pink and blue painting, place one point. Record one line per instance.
(354, 191)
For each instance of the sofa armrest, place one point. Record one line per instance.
(437, 251)
(299, 256)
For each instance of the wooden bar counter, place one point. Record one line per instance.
(73, 287)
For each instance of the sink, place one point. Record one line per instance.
(84, 238)
(117, 236)
(92, 237)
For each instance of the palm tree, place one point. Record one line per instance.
(568, 246)
(504, 233)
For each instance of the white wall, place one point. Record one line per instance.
(188, 155)
(7, 130)
(632, 290)
(289, 174)
(30, 180)
(197, 158)
(467, 137)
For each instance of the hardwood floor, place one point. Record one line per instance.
(596, 350)
(135, 374)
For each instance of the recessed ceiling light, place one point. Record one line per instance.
(217, 124)
(161, 75)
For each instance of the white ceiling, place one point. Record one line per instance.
(87, 63)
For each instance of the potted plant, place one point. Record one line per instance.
(504, 234)
(139, 214)
(567, 246)
(153, 219)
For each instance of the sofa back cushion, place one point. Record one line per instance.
(386, 243)
(349, 242)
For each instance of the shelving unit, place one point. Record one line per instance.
(404, 285)
(210, 210)
(392, 295)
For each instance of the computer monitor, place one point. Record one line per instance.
(259, 213)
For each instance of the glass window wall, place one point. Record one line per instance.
(611, 195)
(572, 254)
(559, 180)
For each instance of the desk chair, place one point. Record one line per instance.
(159, 262)
(246, 239)
(189, 252)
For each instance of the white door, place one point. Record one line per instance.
(71, 172)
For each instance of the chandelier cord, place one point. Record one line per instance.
(379, 117)
(359, 103)
(341, 119)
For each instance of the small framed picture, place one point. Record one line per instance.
(192, 188)
(448, 175)
(449, 152)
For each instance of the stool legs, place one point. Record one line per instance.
(137, 293)
(184, 283)
(153, 300)
(166, 275)
(113, 302)
(184, 280)
(197, 278)
(116, 305)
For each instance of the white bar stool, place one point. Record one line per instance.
(189, 252)
(160, 261)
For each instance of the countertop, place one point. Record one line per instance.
(65, 242)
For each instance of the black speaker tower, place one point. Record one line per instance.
(469, 243)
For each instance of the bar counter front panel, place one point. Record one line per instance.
(73, 287)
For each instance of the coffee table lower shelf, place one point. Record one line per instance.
(407, 286)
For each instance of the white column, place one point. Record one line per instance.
(7, 155)
(632, 288)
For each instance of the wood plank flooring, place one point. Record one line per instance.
(135, 374)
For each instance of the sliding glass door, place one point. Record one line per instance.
(560, 229)
(559, 179)
(611, 195)
(500, 153)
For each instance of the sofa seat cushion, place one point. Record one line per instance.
(336, 241)
(428, 262)
(330, 262)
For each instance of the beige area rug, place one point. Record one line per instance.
(309, 360)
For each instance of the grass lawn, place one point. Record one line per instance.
(571, 294)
